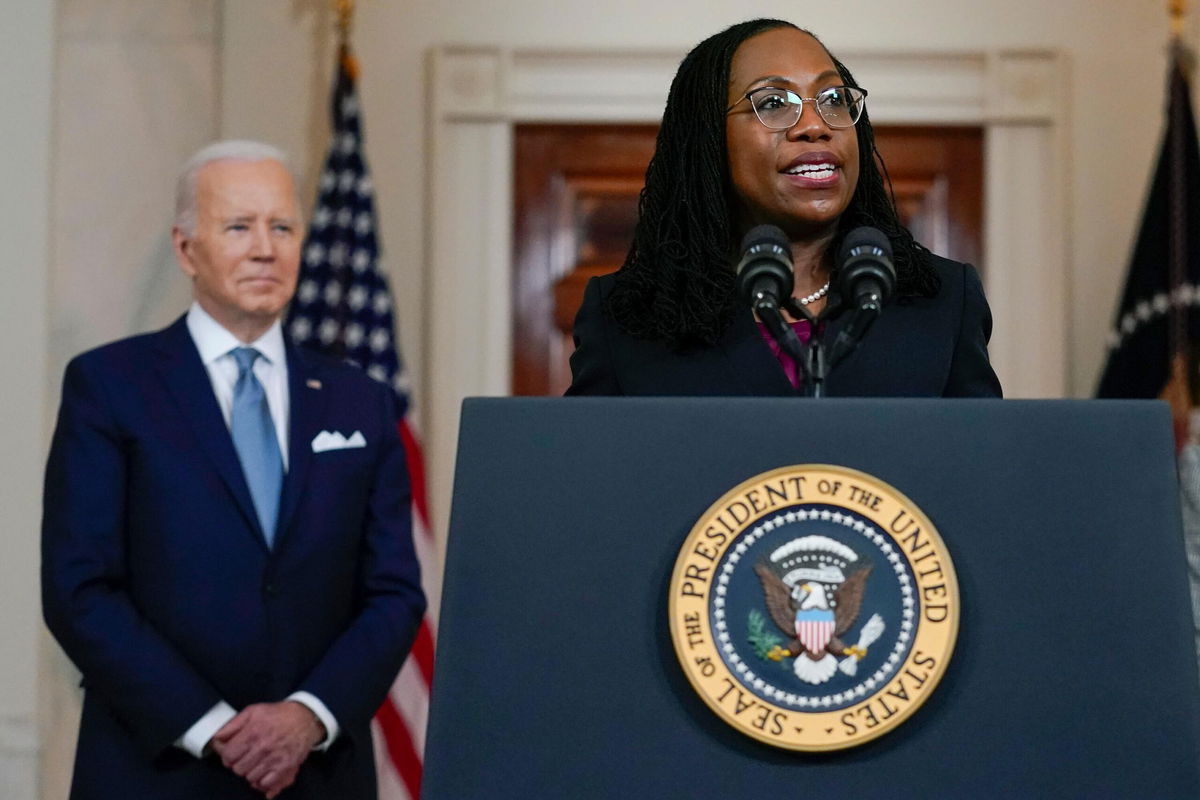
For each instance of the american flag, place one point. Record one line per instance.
(343, 307)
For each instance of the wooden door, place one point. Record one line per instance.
(576, 191)
(575, 204)
(937, 179)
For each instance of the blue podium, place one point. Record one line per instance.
(1073, 675)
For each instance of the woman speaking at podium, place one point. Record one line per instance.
(764, 126)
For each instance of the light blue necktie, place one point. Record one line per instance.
(254, 438)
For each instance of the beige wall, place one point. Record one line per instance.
(26, 53)
(140, 83)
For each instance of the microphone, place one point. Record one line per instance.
(764, 275)
(866, 276)
(765, 281)
(866, 279)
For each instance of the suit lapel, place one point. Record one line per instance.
(179, 363)
(750, 360)
(307, 401)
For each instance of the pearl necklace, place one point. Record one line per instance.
(815, 296)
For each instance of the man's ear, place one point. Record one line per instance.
(182, 245)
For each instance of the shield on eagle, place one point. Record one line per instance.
(814, 628)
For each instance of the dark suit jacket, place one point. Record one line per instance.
(918, 347)
(158, 583)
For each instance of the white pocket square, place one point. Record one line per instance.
(336, 441)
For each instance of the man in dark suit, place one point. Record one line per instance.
(227, 553)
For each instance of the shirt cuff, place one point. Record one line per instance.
(313, 704)
(196, 738)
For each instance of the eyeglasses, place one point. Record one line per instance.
(779, 109)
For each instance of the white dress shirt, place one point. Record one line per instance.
(215, 344)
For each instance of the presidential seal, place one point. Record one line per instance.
(814, 607)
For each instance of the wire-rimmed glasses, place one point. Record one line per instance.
(779, 109)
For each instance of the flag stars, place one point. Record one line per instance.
(328, 332)
(333, 293)
(1182, 296)
(301, 328)
(315, 254)
(357, 298)
(337, 255)
(379, 340)
(308, 291)
(342, 237)
(360, 261)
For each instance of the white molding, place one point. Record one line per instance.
(478, 93)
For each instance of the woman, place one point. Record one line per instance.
(763, 125)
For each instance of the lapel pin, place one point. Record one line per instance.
(313, 383)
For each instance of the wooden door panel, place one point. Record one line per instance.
(576, 191)
(937, 178)
(575, 205)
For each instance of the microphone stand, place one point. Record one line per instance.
(809, 355)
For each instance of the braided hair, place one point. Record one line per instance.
(677, 282)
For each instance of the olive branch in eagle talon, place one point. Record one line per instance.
(792, 608)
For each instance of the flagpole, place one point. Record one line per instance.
(345, 17)
(1178, 392)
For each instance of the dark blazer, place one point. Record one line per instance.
(918, 347)
(158, 583)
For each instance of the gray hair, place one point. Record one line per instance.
(228, 150)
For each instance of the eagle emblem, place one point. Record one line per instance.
(815, 603)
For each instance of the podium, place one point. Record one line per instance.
(1073, 675)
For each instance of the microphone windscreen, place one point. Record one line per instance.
(765, 234)
(864, 236)
(765, 270)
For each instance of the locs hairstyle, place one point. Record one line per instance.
(677, 282)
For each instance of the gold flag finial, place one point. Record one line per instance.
(345, 14)
(1177, 9)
